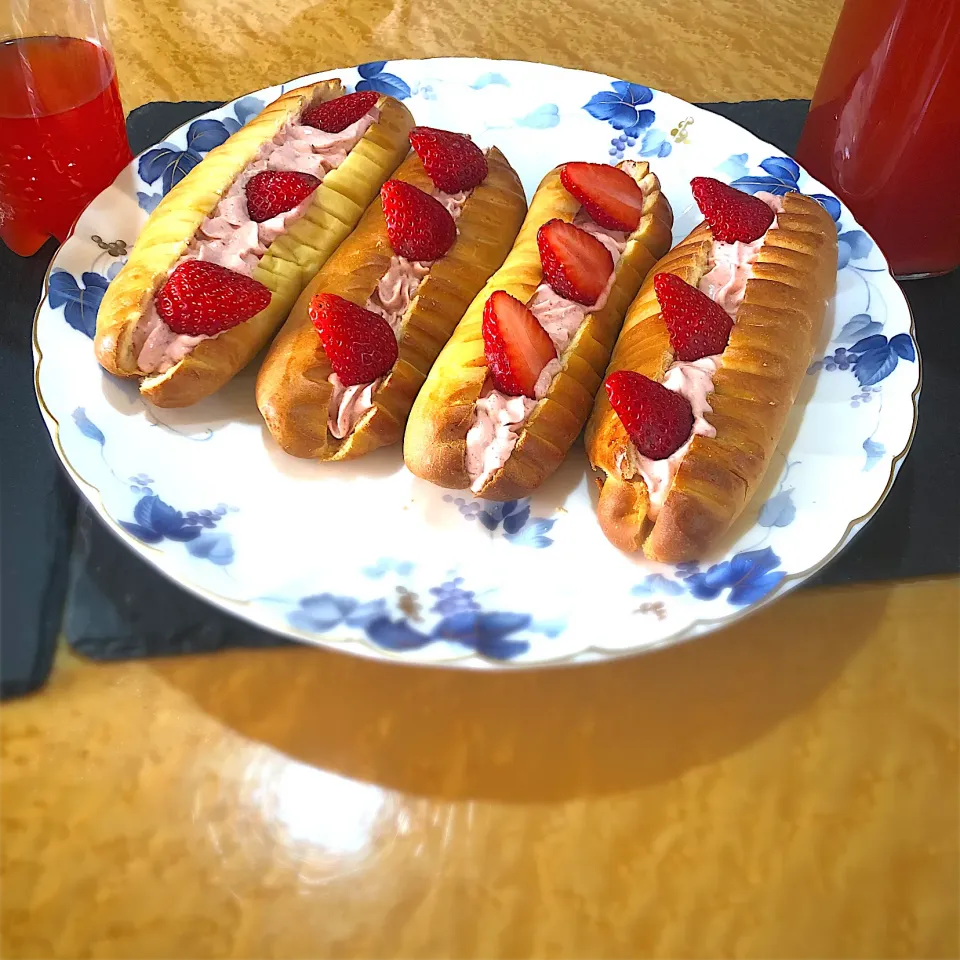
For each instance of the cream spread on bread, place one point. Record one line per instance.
(231, 239)
(495, 430)
(351, 403)
(391, 299)
(694, 381)
(498, 418)
(729, 267)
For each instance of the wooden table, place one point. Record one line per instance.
(786, 788)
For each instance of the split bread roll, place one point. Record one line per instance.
(435, 445)
(770, 348)
(288, 264)
(293, 387)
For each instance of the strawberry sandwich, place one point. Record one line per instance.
(706, 369)
(341, 377)
(514, 386)
(224, 256)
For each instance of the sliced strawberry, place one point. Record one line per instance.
(698, 326)
(419, 226)
(517, 348)
(334, 116)
(203, 299)
(452, 161)
(359, 343)
(611, 197)
(732, 214)
(657, 420)
(273, 192)
(576, 264)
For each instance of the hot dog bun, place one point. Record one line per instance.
(769, 350)
(293, 392)
(435, 445)
(288, 264)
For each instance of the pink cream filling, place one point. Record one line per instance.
(730, 267)
(231, 239)
(391, 299)
(498, 418)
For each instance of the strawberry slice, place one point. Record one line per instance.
(576, 264)
(334, 116)
(698, 327)
(732, 214)
(611, 197)
(359, 343)
(273, 192)
(657, 420)
(203, 299)
(419, 226)
(517, 348)
(452, 161)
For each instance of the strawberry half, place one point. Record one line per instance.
(657, 420)
(452, 161)
(575, 264)
(334, 116)
(732, 214)
(517, 348)
(611, 197)
(359, 344)
(203, 299)
(698, 327)
(273, 192)
(419, 226)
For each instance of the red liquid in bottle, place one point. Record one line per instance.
(884, 127)
(62, 135)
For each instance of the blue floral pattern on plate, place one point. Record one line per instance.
(462, 621)
(374, 77)
(624, 108)
(490, 78)
(459, 619)
(80, 299)
(871, 359)
(779, 510)
(875, 452)
(782, 175)
(155, 521)
(169, 163)
(512, 516)
(749, 576)
(436, 591)
(543, 118)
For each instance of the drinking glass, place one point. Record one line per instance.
(62, 132)
(884, 128)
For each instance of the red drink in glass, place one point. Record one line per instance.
(884, 128)
(62, 135)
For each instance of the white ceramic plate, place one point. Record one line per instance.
(366, 557)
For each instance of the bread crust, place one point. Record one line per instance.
(761, 370)
(293, 392)
(288, 264)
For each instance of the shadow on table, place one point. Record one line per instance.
(537, 735)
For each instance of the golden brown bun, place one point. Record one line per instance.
(435, 443)
(293, 392)
(761, 370)
(288, 264)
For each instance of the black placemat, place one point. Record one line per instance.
(37, 501)
(117, 606)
